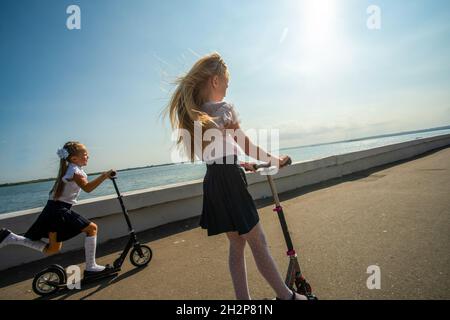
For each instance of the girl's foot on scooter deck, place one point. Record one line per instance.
(294, 296)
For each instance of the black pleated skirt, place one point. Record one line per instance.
(227, 204)
(58, 217)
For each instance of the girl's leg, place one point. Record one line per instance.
(265, 263)
(90, 246)
(236, 261)
(53, 245)
(10, 238)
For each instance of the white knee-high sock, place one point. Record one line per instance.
(15, 239)
(90, 245)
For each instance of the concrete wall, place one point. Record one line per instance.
(153, 207)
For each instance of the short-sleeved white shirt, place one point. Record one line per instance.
(71, 190)
(227, 146)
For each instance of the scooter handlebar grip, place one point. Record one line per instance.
(267, 164)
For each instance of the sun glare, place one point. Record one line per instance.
(317, 47)
(318, 23)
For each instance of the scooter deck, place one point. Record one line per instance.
(94, 277)
(86, 280)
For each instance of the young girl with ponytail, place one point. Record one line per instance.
(58, 222)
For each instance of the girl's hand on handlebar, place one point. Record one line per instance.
(248, 166)
(109, 174)
(281, 161)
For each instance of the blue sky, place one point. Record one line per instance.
(309, 68)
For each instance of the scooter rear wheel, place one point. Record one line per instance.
(48, 281)
(140, 261)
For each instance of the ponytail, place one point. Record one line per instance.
(59, 185)
(70, 149)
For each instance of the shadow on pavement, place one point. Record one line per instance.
(101, 284)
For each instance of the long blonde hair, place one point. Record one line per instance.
(185, 104)
(73, 148)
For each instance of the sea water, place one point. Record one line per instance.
(32, 195)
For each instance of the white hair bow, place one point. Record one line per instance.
(62, 153)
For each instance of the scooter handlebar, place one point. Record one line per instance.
(268, 165)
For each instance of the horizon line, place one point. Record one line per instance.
(9, 184)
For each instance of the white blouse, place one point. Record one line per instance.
(71, 190)
(227, 146)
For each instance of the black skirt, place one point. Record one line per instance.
(227, 204)
(58, 217)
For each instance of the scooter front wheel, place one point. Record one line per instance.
(304, 288)
(48, 281)
(142, 258)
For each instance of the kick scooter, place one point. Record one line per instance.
(294, 274)
(54, 277)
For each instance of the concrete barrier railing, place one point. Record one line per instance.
(153, 207)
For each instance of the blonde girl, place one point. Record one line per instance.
(227, 205)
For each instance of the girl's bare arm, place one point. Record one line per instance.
(249, 147)
(89, 186)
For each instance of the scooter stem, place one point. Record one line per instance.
(274, 190)
(124, 210)
(281, 216)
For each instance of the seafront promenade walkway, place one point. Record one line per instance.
(395, 216)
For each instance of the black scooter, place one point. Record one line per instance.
(294, 274)
(54, 278)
